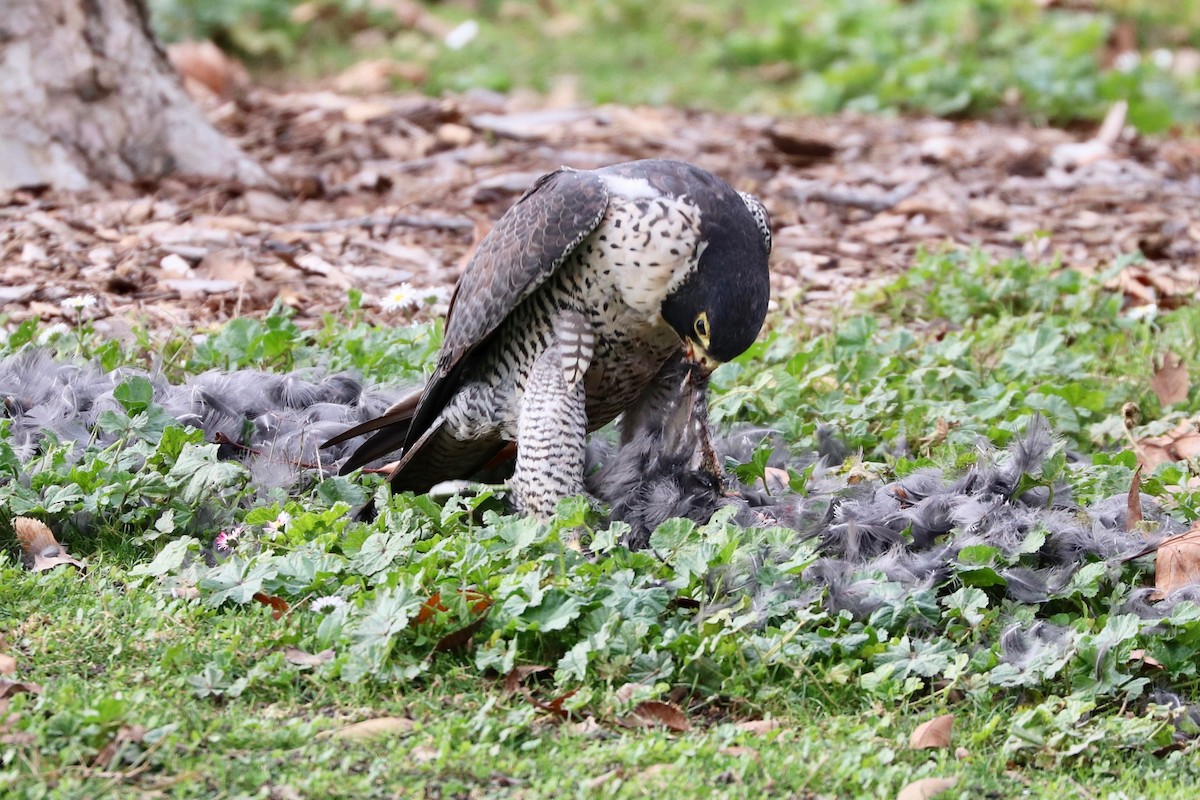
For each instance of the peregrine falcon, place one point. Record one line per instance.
(576, 307)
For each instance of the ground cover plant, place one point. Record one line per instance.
(1057, 62)
(230, 637)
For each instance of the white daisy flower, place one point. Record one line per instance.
(78, 302)
(327, 604)
(462, 35)
(1145, 312)
(52, 332)
(400, 297)
(1127, 61)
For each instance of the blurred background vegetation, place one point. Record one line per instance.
(1049, 61)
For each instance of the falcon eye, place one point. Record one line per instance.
(702, 327)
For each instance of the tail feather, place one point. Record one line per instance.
(392, 424)
(438, 456)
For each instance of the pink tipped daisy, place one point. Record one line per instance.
(226, 540)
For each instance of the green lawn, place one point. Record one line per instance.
(945, 57)
(161, 675)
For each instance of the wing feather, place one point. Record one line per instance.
(528, 244)
(521, 252)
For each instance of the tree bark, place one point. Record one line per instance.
(87, 96)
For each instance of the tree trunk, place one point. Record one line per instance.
(87, 96)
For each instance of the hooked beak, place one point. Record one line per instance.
(698, 357)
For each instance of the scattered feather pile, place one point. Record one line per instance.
(876, 547)
(874, 539)
(274, 424)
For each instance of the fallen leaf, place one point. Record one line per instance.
(278, 605)
(19, 739)
(961, 752)
(370, 728)
(1170, 380)
(1177, 563)
(1149, 661)
(654, 770)
(934, 733)
(1134, 504)
(226, 265)
(41, 550)
(459, 639)
(8, 665)
(588, 726)
(759, 726)
(429, 608)
(555, 706)
(127, 734)
(423, 754)
(294, 655)
(204, 64)
(599, 780)
(626, 692)
(10, 688)
(479, 603)
(1180, 444)
(653, 713)
(925, 788)
(517, 675)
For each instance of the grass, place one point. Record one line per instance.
(112, 657)
(944, 57)
(150, 694)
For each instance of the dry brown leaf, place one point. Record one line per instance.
(555, 706)
(934, 733)
(203, 64)
(127, 734)
(10, 688)
(1180, 444)
(759, 726)
(518, 674)
(598, 781)
(278, 605)
(19, 739)
(653, 713)
(423, 754)
(42, 551)
(588, 726)
(655, 770)
(369, 728)
(1177, 563)
(225, 265)
(459, 639)
(294, 655)
(925, 788)
(8, 664)
(1134, 502)
(1170, 380)
(1149, 661)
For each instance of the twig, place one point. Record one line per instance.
(805, 191)
(396, 220)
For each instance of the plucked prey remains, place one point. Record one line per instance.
(580, 305)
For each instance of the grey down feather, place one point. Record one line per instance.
(874, 539)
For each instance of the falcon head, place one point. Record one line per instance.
(718, 309)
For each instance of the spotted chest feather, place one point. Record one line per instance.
(615, 280)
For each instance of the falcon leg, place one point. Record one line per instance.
(552, 424)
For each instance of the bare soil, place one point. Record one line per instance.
(375, 192)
